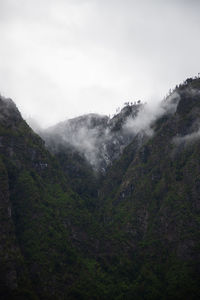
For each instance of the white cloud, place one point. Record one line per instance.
(62, 58)
(150, 112)
(188, 138)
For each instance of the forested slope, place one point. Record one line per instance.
(131, 233)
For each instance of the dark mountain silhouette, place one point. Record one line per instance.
(102, 212)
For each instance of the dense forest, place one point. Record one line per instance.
(117, 217)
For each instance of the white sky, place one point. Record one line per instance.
(63, 58)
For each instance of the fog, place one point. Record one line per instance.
(150, 112)
(61, 59)
(187, 139)
(101, 139)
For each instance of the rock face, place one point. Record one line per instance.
(132, 233)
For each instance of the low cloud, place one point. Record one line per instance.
(150, 113)
(87, 134)
(101, 139)
(188, 138)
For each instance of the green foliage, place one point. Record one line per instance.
(67, 234)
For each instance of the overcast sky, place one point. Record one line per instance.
(63, 58)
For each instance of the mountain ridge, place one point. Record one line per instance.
(132, 233)
(98, 138)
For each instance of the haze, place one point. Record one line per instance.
(64, 58)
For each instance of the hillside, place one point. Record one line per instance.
(86, 146)
(131, 232)
(42, 220)
(152, 207)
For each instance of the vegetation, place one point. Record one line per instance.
(135, 234)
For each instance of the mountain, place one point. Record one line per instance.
(86, 146)
(42, 220)
(98, 139)
(152, 207)
(123, 228)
